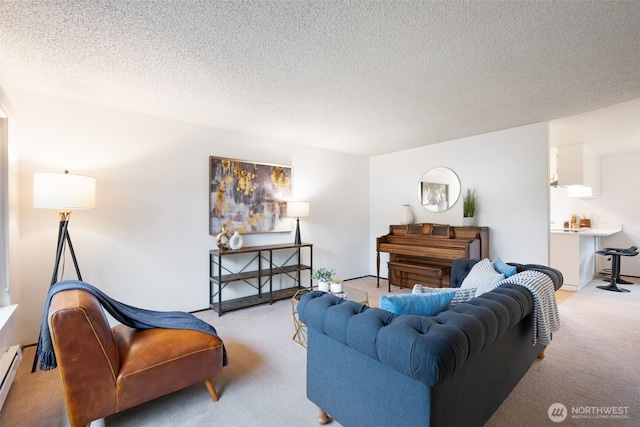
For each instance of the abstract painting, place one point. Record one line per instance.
(248, 197)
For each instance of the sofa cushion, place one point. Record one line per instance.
(483, 277)
(504, 268)
(460, 296)
(427, 304)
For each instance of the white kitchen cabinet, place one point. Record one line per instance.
(578, 166)
(574, 254)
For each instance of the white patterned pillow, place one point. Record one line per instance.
(461, 295)
(483, 277)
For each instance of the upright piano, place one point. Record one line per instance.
(423, 253)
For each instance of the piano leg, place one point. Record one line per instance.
(378, 268)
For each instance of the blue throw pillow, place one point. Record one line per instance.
(503, 267)
(428, 304)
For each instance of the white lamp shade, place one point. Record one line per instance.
(63, 191)
(297, 209)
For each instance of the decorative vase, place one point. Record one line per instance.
(323, 286)
(406, 216)
(222, 239)
(468, 221)
(235, 242)
(336, 287)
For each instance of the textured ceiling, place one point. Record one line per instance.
(360, 76)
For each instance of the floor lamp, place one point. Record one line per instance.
(297, 210)
(64, 193)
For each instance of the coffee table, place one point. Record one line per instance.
(300, 329)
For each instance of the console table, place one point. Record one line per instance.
(258, 272)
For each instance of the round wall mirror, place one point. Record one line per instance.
(439, 189)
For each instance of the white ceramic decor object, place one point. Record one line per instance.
(336, 287)
(323, 286)
(406, 215)
(235, 242)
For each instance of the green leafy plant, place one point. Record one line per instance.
(323, 275)
(470, 203)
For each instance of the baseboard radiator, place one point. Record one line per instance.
(9, 363)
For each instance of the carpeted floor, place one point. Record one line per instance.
(591, 363)
(590, 366)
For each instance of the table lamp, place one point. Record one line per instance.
(297, 210)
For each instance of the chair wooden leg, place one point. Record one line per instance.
(541, 355)
(212, 389)
(323, 418)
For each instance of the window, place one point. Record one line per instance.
(4, 210)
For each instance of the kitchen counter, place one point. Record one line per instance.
(595, 232)
(573, 252)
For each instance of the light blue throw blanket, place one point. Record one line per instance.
(130, 316)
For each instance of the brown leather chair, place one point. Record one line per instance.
(105, 370)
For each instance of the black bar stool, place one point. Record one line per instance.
(615, 254)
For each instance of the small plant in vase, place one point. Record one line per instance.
(469, 207)
(324, 277)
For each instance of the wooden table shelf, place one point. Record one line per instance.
(238, 303)
(267, 268)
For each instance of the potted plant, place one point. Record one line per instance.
(469, 207)
(324, 277)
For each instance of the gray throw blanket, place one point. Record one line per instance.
(130, 316)
(546, 319)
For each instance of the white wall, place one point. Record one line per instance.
(617, 205)
(507, 168)
(147, 241)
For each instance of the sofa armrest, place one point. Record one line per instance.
(554, 274)
(462, 266)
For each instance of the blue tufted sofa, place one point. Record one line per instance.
(369, 367)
